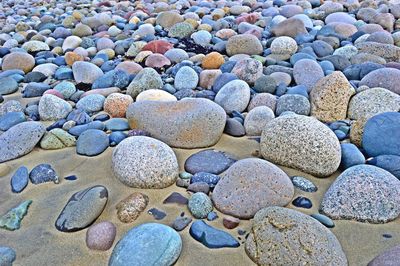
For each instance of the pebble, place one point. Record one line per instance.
(304, 184)
(180, 223)
(186, 78)
(387, 162)
(234, 96)
(92, 142)
(230, 222)
(12, 219)
(210, 179)
(43, 173)
(8, 85)
(209, 161)
(157, 214)
(82, 209)
(325, 220)
(212, 237)
(11, 119)
(20, 179)
(177, 198)
(7, 255)
(101, 236)
(302, 202)
(200, 205)
(351, 156)
(129, 209)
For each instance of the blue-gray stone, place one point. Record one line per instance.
(212, 216)
(390, 163)
(340, 134)
(19, 180)
(77, 130)
(79, 116)
(210, 161)
(325, 220)
(223, 79)
(116, 137)
(57, 124)
(34, 77)
(382, 135)
(117, 124)
(113, 78)
(10, 72)
(7, 256)
(43, 173)
(227, 66)
(91, 103)
(296, 57)
(92, 142)
(63, 73)
(234, 128)
(35, 89)
(208, 178)
(101, 117)
(8, 85)
(351, 156)
(212, 237)
(299, 89)
(11, 119)
(304, 184)
(147, 244)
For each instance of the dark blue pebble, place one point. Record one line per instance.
(340, 134)
(101, 117)
(351, 156)
(57, 124)
(43, 173)
(71, 177)
(35, 89)
(212, 216)
(20, 179)
(157, 214)
(390, 163)
(302, 202)
(79, 116)
(116, 137)
(77, 130)
(223, 79)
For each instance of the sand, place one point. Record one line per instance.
(38, 242)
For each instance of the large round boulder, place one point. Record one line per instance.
(144, 162)
(281, 236)
(364, 193)
(250, 185)
(301, 142)
(188, 123)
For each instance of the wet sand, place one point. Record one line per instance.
(38, 242)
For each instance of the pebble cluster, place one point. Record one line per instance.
(315, 82)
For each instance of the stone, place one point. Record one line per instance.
(233, 96)
(330, 97)
(389, 163)
(144, 162)
(157, 214)
(168, 18)
(177, 198)
(114, 78)
(283, 47)
(71, 42)
(208, 178)
(213, 60)
(146, 79)
(285, 136)
(155, 244)
(43, 173)
(7, 256)
(129, 209)
(234, 127)
(85, 72)
(368, 103)
(181, 223)
(35, 46)
(181, 30)
(53, 108)
(57, 139)
(20, 140)
(256, 120)
(248, 70)
(291, 27)
(78, 130)
(387, 78)
(101, 236)
(34, 89)
(18, 60)
(19, 180)
(389, 52)
(302, 202)
(8, 85)
(388, 257)
(265, 84)
(381, 135)
(157, 61)
(351, 156)
(92, 142)
(250, 185)
(304, 184)
(116, 104)
(200, 205)
(66, 88)
(209, 161)
(212, 237)
(325, 220)
(263, 99)
(155, 95)
(11, 119)
(293, 103)
(364, 193)
(230, 222)
(186, 78)
(273, 224)
(82, 209)
(172, 123)
(12, 219)
(307, 72)
(91, 103)
(244, 44)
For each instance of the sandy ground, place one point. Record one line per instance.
(38, 242)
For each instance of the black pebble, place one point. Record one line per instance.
(302, 202)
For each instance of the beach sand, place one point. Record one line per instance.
(38, 242)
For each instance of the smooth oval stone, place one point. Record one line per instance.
(200, 205)
(325, 220)
(351, 156)
(389, 257)
(116, 137)
(209, 161)
(11, 119)
(78, 130)
(101, 236)
(147, 244)
(303, 184)
(43, 173)
(92, 142)
(20, 179)
(7, 256)
(8, 85)
(212, 237)
(82, 209)
(302, 202)
(117, 124)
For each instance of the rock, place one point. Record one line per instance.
(271, 225)
(302, 202)
(209, 161)
(12, 219)
(307, 72)
(11, 119)
(157, 214)
(285, 136)
(382, 135)
(212, 237)
(156, 244)
(129, 209)
(388, 257)
(368, 103)
(389, 52)
(157, 61)
(234, 96)
(256, 119)
(53, 108)
(146, 79)
(230, 222)
(43, 173)
(177, 128)
(85, 72)
(82, 209)
(71, 42)
(92, 142)
(168, 18)
(213, 60)
(7, 256)
(244, 44)
(208, 178)
(371, 195)
(200, 205)
(199, 187)
(116, 104)
(181, 30)
(144, 162)
(330, 97)
(35, 46)
(19, 180)
(283, 47)
(248, 69)
(158, 46)
(101, 236)
(91, 103)
(181, 223)
(303, 184)
(34, 89)
(117, 124)
(234, 127)
(177, 198)
(57, 139)
(18, 60)
(261, 99)
(293, 103)
(8, 85)
(186, 78)
(250, 185)
(325, 220)
(66, 88)
(20, 140)
(389, 163)
(351, 156)
(265, 84)
(291, 27)
(387, 78)
(155, 95)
